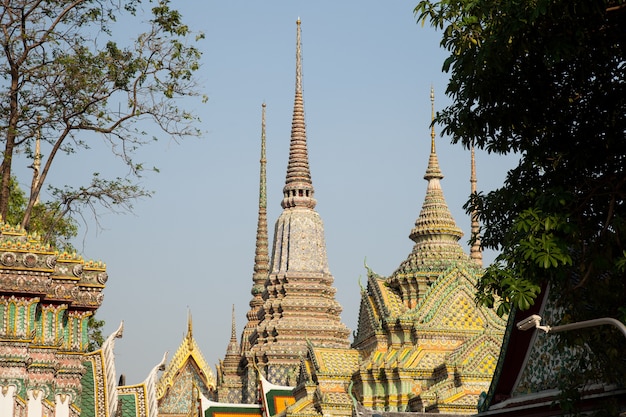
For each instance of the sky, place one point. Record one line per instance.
(368, 68)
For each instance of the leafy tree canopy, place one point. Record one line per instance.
(545, 79)
(54, 229)
(65, 77)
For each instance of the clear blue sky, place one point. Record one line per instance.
(367, 72)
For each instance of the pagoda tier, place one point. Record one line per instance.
(299, 299)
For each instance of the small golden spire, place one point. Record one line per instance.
(189, 330)
(433, 170)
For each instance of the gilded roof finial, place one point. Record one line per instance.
(189, 330)
(298, 190)
(475, 251)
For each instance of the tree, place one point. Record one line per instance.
(66, 78)
(546, 79)
(52, 227)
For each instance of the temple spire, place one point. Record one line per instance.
(433, 172)
(261, 258)
(299, 300)
(298, 190)
(475, 251)
(261, 255)
(232, 349)
(435, 226)
(229, 383)
(233, 330)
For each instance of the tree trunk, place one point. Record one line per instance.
(7, 161)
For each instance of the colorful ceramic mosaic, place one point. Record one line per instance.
(424, 344)
(46, 299)
(186, 373)
(421, 343)
(293, 299)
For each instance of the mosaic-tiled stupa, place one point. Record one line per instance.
(425, 344)
(298, 300)
(422, 345)
(293, 300)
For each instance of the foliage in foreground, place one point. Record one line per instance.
(546, 79)
(68, 76)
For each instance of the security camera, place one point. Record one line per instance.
(529, 322)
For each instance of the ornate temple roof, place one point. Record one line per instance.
(335, 361)
(56, 277)
(187, 351)
(420, 328)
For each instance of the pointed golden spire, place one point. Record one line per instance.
(298, 190)
(475, 251)
(435, 227)
(189, 336)
(433, 171)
